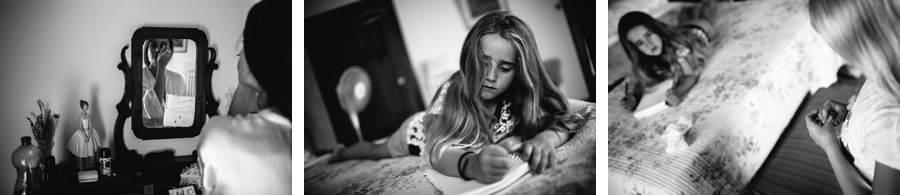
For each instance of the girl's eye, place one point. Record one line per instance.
(648, 34)
(505, 68)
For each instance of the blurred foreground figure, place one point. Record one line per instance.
(251, 154)
(866, 33)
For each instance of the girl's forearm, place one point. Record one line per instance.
(685, 84)
(557, 138)
(448, 162)
(850, 180)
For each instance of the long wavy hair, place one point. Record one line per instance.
(644, 67)
(536, 103)
(866, 34)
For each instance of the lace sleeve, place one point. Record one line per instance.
(437, 104)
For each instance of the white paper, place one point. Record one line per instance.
(179, 111)
(654, 100)
(456, 185)
(675, 132)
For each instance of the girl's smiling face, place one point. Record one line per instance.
(645, 40)
(500, 58)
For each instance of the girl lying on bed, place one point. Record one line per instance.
(501, 94)
(659, 53)
(866, 34)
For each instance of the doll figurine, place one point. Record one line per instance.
(85, 142)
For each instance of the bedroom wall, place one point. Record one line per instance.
(65, 51)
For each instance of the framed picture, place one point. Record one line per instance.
(472, 10)
(179, 45)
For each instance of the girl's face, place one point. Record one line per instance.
(645, 40)
(500, 58)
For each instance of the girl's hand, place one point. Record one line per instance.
(822, 134)
(511, 143)
(833, 112)
(672, 99)
(540, 151)
(489, 165)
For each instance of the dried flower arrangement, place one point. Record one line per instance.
(44, 127)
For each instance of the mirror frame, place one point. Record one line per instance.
(203, 91)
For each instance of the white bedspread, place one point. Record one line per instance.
(768, 58)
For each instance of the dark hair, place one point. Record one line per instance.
(83, 103)
(644, 67)
(267, 49)
(147, 46)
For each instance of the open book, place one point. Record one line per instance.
(455, 185)
(653, 100)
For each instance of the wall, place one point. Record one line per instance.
(65, 51)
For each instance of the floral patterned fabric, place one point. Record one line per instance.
(574, 174)
(765, 60)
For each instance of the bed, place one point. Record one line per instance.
(766, 61)
(575, 173)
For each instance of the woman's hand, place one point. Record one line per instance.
(489, 165)
(833, 112)
(164, 56)
(822, 134)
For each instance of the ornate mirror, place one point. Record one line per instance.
(167, 89)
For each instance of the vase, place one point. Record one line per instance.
(48, 167)
(27, 161)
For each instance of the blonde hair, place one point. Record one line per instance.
(534, 99)
(865, 33)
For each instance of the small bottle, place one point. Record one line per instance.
(105, 161)
(26, 159)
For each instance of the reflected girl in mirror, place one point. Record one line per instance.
(85, 142)
(155, 77)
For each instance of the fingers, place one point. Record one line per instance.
(834, 112)
(535, 161)
(495, 168)
(840, 113)
(526, 151)
(551, 159)
(498, 163)
(823, 115)
(812, 117)
(545, 154)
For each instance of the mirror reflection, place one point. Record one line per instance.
(168, 82)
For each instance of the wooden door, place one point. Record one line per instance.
(364, 34)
